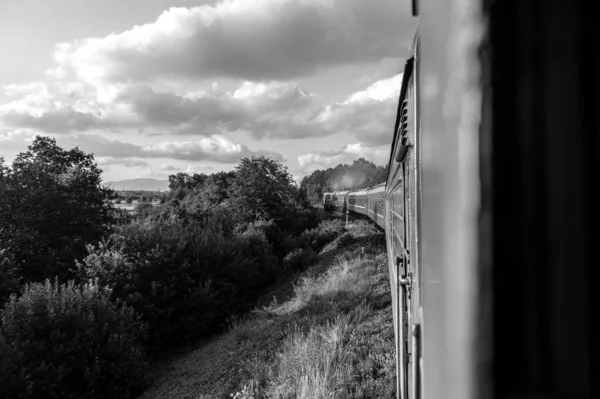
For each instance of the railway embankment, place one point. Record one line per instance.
(326, 332)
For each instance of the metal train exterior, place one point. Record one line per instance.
(393, 206)
(488, 209)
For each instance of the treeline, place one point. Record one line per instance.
(90, 296)
(128, 196)
(360, 174)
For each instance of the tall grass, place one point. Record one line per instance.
(341, 345)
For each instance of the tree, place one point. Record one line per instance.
(186, 182)
(9, 278)
(52, 203)
(262, 188)
(143, 208)
(215, 189)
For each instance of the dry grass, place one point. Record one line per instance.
(341, 343)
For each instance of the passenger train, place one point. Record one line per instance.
(492, 199)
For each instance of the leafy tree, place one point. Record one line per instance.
(186, 182)
(262, 188)
(213, 193)
(216, 186)
(52, 203)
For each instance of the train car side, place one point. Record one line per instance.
(341, 200)
(357, 202)
(376, 204)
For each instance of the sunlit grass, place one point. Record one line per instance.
(340, 344)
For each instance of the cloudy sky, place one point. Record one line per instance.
(155, 87)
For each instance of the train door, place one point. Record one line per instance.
(404, 285)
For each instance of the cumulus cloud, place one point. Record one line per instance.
(345, 155)
(168, 168)
(368, 114)
(253, 40)
(216, 148)
(127, 162)
(264, 110)
(60, 107)
(269, 110)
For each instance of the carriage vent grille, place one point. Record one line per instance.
(402, 132)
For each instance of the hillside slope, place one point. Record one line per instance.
(325, 334)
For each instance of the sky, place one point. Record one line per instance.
(157, 87)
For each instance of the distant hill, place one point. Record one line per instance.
(140, 184)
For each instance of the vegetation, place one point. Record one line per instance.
(69, 341)
(341, 344)
(325, 333)
(52, 204)
(89, 293)
(360, 174)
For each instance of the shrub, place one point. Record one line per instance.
(69, 341)
(143, 208)
(324, 233)
(154, 275)
(299, 219)
(184, 278)
(299, 259)
(344, 240)
(9, 278)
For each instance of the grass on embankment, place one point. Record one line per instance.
(333, 338)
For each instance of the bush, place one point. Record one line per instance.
(344, 240)
(68, 341)
(299, 259)
(324, 233)
(9, 278)
(143, 208)
(299, 219)
(184, 278)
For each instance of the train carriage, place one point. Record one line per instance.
(376, 204)
(357, 202)
(341, 200)
(490, 209)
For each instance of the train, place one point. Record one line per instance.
(491, 201)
